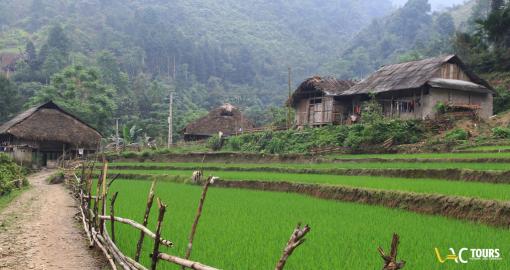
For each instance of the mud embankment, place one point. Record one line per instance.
(444, 174)
(494, 213)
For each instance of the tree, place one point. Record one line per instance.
(80, 91)
(31, 55)
(10, 102)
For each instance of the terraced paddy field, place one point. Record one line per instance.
(425, 186)
(479, 155)
(246, 225)
(245, 229)
(344, 165)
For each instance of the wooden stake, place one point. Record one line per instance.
(197, 218)
(139, 226)
(112, 215)
(295, 240)
(96, 201)
(390, 262)
(103, 195)
(155, 250)
(150, 199)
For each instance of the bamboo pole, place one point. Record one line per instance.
(103, 195)
(295, 240)
(155, 250)
(112, 215)
(197, 218)
(140, 227)
(116, 256)
(108, 256)
(184, 262)
(96, 201)
(150, 200)
(84, 221)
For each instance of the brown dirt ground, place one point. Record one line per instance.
(38, 230)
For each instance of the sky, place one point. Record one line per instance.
(436, 4)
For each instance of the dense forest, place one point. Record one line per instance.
(120, 58)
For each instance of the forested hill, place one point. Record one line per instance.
(208, 51)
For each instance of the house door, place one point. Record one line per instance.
(315, 111)
(311, 114)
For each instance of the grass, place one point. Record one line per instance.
(9, 197)
(488, 148)
(424, 155)
(243, 229)
(343, 165)
(429, 186)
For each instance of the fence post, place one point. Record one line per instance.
(103, 196)
(150, 199)
(296, 239)
(112, 215)
(197, 218)
(155, 251)
(390, 261)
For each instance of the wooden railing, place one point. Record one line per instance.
(93, 217)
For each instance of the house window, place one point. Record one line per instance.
(315, 101)
(405, 106)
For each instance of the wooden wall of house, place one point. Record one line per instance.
(315, 110)
(452, 71)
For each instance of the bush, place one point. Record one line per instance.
(457, 134)
(9, 171)
(501, 133)
(215, 143)
(57, 178)
(234, 143)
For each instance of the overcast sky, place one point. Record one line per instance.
(436, 4)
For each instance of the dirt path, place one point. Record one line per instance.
(38, 230)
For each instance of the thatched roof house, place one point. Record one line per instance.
(407, 90)
(227, 119)
(45, 132)
(317, 101)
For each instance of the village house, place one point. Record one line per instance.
(43, 134)
(227, 119)
(409, 90)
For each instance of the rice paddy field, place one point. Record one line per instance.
(247, 229)
(343, 165)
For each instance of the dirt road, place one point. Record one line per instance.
(38, 230)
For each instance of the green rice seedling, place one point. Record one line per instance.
(244, 229)
(431, 186)
(343, 165)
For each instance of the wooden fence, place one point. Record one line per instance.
(93, 217)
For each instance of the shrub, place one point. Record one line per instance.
(129, 154)
(457, 134)
(9, 171)
(57, 178)
(215, 143)
(234, 143)
(501, 132)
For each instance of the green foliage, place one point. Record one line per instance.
(9, 101)
(9, 172)
(79, 90)
(372, 111)
(440, 107)
(215, 143)
(353, 137)
(501, 132)
(234, 143)
(502, 99)
(457, 134)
